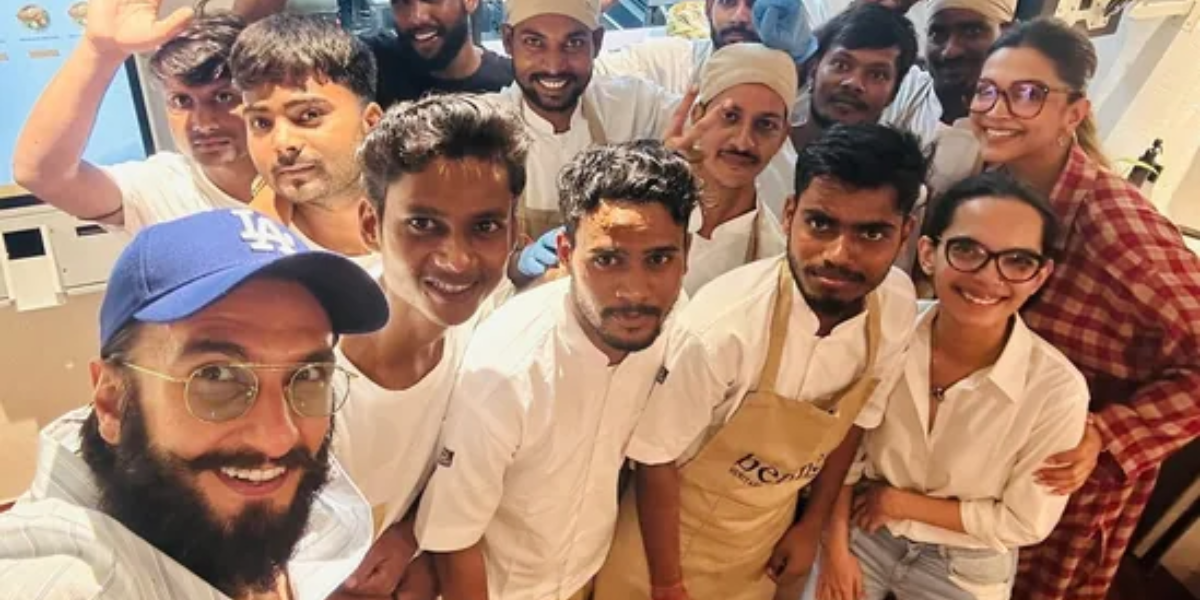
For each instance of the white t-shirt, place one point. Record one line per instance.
(718, 346)
(709, 258)
(387, 439)
(628, 109)
(993, 431)
(533, 443)
(165, 187)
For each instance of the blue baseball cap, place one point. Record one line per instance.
(173, 270)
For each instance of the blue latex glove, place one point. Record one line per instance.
(783, 25)
(541, 255)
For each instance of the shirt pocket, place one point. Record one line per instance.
(985, 573)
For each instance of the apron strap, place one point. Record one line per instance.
(780, 316)
(752, 245)
(530, 224)
(782, 312)
(874, 330)
(595, 127)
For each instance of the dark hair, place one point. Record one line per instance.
(288, 49)
(866, 156)
(1075, 63)
(199, 55)
(449, 126)
(640, 172)
(992, 184)
(873, 27)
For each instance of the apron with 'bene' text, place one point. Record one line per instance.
(738, 495)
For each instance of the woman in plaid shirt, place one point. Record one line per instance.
(1124, 305)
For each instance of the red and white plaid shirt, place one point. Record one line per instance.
(1124, 305)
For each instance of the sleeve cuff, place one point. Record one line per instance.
(447, 539)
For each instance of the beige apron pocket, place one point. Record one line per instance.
(986, 574)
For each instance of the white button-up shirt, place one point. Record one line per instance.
(535, 437)
(718, 346)
(57, 542)
(992, 432)
(627, 108)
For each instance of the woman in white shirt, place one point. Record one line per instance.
(949, 490)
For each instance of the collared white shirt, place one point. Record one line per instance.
(718, 346)
(628, 109)
(535, 437)
(387, 440)
(57, 543)
(165, 187)
(726, 249)
(994, 429)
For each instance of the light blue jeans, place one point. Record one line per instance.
(916, 571)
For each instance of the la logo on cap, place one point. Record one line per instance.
(264, 235)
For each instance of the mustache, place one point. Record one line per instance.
(832, 271)
(848, 98)
(198, 138)
(745, 30)
(411, 34)
(564, 76)
(634, 310)
(287, 161)
(750, 156)
(296, 458)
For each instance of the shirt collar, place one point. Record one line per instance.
(1010, 372)
(740, 224)
(535, 121)
(1076, 180)
(338, 535)
(570, 331)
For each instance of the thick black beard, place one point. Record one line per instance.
(146, 491)
(457, 35)
(827, 307)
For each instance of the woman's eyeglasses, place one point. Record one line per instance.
(1025, 99)
(966, 255)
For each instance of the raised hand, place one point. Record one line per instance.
(124, 27)
(683, 138)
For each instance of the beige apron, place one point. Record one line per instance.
(738, 496)
(533, 222)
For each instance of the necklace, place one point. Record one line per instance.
(937, 392)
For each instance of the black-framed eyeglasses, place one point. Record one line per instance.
(966, 255)
(222, 392)
(1024, 99)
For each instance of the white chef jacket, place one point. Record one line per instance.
(718, 346)
(535, 437)
(994, 429)
(726, 250)
(627, 108)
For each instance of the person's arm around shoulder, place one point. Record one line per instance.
(48, 159)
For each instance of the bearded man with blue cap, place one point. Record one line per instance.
(201, 468)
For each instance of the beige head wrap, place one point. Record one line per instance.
(746, 63)
(999, 11)
(584, 11)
